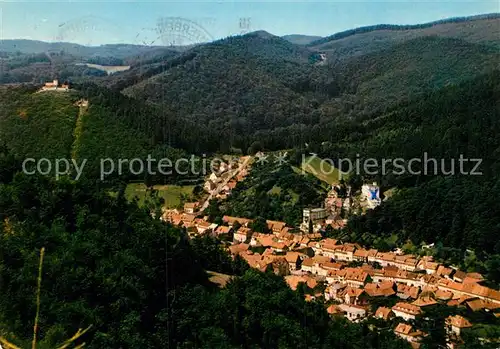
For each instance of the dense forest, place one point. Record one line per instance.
(275, 95)
(456, 209)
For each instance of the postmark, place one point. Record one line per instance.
(83, 32)
(245, 25)
(72, 38)
(178, 31)
(174, 31)
(88, 31)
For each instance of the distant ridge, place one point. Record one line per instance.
(370, 28)
(26, 46)
(261, 34)
(300, 39)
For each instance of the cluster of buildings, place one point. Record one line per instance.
(354, 277)
(339, 198)
(219, 177)
(416, 283)
(349, 278)
(321, 217)
(454, 326)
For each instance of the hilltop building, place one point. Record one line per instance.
(55, 86)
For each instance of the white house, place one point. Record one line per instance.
(406, 311)
(406, 332)
(352, 312)
(454, 324)
(242, 234)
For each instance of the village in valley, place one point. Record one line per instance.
(353, 281)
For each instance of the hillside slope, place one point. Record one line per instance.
(484, 29)
(299, 39)
(37, 125)
(236, 86)
(49, 125)
(34, 46)
(263, 88)
(405, 71)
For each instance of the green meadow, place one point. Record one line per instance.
(170, 193)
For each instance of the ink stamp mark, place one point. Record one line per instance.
(88, 31)
(82, 32)
(173, 31)
(177, 31)
(245, 25)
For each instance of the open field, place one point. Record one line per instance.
(109, 69)
(322, 170)
(170, 193)
(277, 190)
(218, 278)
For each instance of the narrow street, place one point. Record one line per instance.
(221, 185)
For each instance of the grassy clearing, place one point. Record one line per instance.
(275, 190)
(322, 170)
(170, 193)
(217, 278)
(296, 170)
(295, 196)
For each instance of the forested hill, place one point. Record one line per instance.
(408, 70)
(359, 41)
(233, 50)
(51, 125)
(262, 88)
(248, 88)
(236, 87)
(301, 39)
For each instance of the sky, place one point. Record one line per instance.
(95, 22)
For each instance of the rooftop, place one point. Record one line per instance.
(458, 321)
